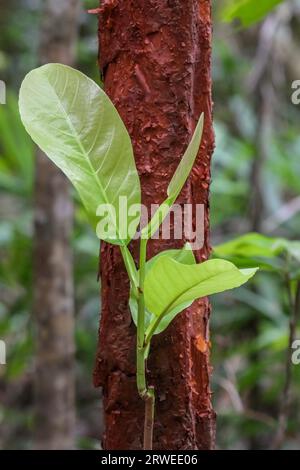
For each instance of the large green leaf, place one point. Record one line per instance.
(177, 182)
(170, 285)
(74, 122)
(248, 11)
(184, 255)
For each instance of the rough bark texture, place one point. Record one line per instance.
(53, 268)
(155, 56)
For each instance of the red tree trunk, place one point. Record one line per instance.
(155, 56)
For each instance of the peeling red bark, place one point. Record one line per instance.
(155, 56)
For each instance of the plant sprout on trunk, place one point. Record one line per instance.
(74, 122)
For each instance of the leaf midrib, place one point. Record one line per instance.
(83, 151)
(169, 306)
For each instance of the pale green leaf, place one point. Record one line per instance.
(130, 267)
(170, 285)
(187, 162)
(184, 255)
(74, 122)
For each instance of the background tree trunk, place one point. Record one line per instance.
(53, 267)
(156, 59)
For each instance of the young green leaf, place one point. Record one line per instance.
(170, 285)
(74, 122)
(185, 166)
(184, 255)
(177, 182)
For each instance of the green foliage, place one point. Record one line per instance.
(77, 126)
(19, 41)
(248, 325)
(16, 151)
(248, 12)
(171, 286)
(184, 256)
(276, 254)
(73, 121)
(16, 325)
(281, 256)
(97, 156)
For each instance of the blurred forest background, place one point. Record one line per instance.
(255, 187)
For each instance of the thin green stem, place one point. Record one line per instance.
(130, 268)
(141, 372)
(151, 329)
(145, 392)
(154, 325)
(141, 301)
